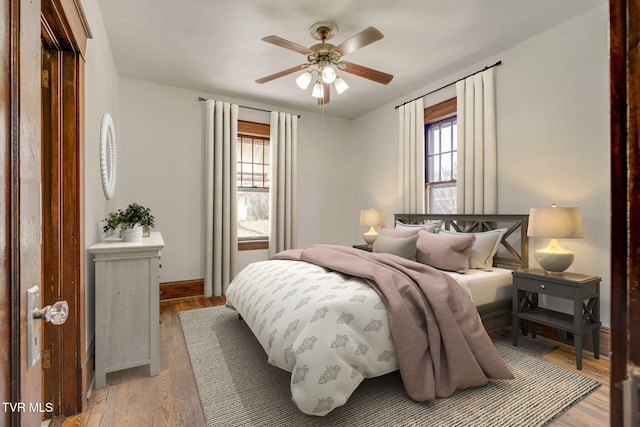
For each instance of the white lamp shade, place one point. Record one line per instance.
(555, 223)
(318, 90)
(371, 218)
(340, 85)
(328, 74)
(304, 79)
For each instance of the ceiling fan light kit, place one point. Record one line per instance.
(340, 85)
(304, 79)
(326, 58)
(328, 74)
(318, 90)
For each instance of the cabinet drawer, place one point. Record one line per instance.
(542, 287)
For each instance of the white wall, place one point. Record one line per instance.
(160, 152)
(567, 135)
(101, 96)
(553, 136)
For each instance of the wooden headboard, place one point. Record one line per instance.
(515, 237)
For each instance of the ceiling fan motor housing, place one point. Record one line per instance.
(323, 30)
(323, 52)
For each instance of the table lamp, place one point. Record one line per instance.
(555, 223)
(371, 218)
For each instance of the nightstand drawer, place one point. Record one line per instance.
(542, 287)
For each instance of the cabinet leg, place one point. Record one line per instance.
(533, 329)
(515, 332)
(153, 368)
(578, 343)
(596, 343)
(101, 379)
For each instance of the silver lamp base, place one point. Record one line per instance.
(554, 262)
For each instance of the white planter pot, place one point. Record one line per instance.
(133, 234)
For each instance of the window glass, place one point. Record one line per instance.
(253, 182)
(441, 164)
(442, 198)
(253, 214)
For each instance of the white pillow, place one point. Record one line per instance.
(431, 227)
(484, 248)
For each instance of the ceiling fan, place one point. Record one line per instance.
(326, 58)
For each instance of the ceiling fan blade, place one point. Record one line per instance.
(279, 41)
(362, 39)
(327, 94)
(367, 73)
(282, 73)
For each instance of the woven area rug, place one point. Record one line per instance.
(237, 387)
(525, 343)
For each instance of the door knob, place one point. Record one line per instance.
(56, 314)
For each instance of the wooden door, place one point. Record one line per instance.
(624, 16)
(20, 217)
(5, 214)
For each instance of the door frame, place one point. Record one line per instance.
(64, 33)
(624, 65)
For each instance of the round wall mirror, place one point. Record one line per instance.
(108, 156)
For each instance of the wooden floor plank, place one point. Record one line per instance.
(171, 399)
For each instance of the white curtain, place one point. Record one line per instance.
(283, 216)
(411, 166)
(221, 246)
(477, 185)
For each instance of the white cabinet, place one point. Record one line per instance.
(126, 304)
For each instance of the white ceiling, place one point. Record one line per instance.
(215, 46)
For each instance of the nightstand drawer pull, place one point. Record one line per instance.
(543, 286)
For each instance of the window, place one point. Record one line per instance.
(253, 158)
(441, 157)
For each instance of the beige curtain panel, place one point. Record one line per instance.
(411, 156)
(477, 182)
(221, 242)
(283, 215)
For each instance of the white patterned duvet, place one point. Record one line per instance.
(328, 329)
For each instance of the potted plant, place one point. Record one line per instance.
(112, 222)
(133, 222)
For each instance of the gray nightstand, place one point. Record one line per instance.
(583, 290)
(364, 247)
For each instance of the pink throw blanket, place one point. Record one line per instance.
(440, 343)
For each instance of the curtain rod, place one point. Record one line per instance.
(452, 83)
(250, 108)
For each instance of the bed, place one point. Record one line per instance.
(333, 316)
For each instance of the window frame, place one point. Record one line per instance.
(260, 131)
(436, 113)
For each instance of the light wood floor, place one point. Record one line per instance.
(132, 398)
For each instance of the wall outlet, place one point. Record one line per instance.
(561, 333)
